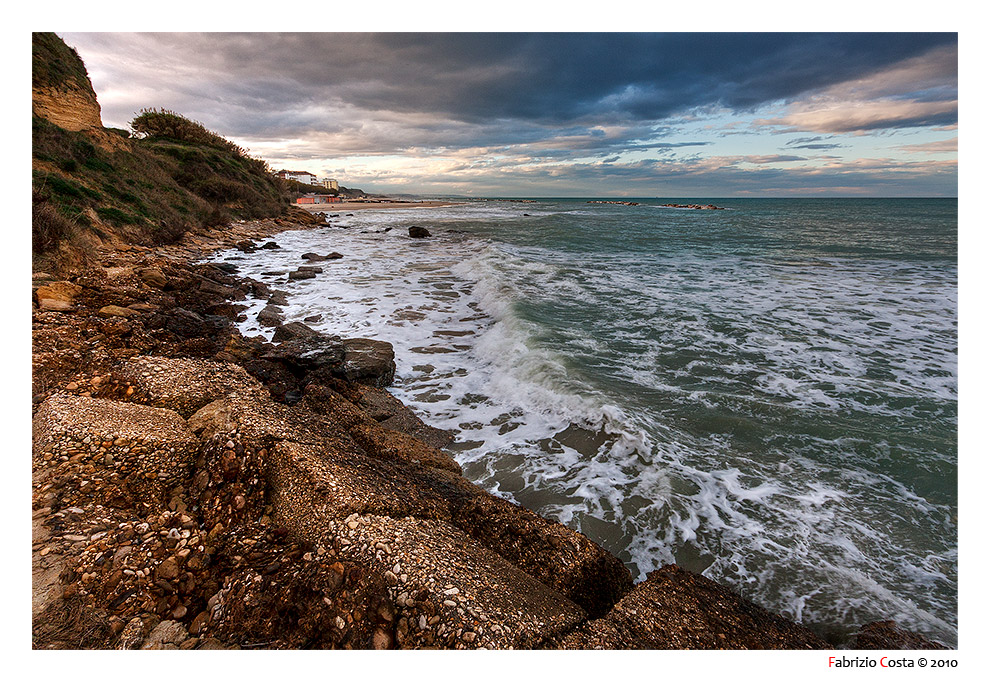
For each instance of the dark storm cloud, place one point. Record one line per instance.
(550, 79)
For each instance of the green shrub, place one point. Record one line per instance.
(162, 123)
(116, 216)
(56, 65)
(48, 226)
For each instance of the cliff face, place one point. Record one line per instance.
(94, 186)
(61, 91)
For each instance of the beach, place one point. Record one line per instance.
(359, 205)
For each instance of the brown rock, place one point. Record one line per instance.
(676, 609)
(117, 311)
(886, 634)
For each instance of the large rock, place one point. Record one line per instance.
(368, 361)
(418, 232)
(376, 440)
(57, 295)
(125, 453)
(270, 316)
(392, 414)
(332, 484)
(676, 609)
(182, 384)
(447, 590)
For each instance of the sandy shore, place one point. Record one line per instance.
(359, 205)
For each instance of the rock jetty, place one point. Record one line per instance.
(196, 489)
(704, 207)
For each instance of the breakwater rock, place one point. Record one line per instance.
(196, 489)
(704, 207)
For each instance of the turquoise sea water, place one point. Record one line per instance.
(765, 394)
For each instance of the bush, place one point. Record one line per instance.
(48, 227)
(162, 123)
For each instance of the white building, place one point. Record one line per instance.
(304, 177)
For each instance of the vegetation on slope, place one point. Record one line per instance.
(149, 186)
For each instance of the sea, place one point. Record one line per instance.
(765, 394)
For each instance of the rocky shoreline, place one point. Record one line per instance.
(196, 489)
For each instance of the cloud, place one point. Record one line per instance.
(936, 147)
(548, 78)
(918, 91)
(533, 110)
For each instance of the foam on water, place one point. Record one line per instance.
(711, 409)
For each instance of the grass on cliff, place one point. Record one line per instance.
(148, 190)
(55, 64)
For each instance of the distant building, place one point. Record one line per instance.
(304, 177)
(331, 184)
(318, 199)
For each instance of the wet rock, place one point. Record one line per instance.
(886, 634)
(295, 331)
(676, 609)
(278, 298)
(418, 232)
(270, 316)
(368, 361)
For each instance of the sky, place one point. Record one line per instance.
(560, 114)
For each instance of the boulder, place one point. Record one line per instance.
(270, 316)
(182, 384)
(168, 634)
(295, 330)
(677, 609)
(125, 452)
(117, 311)
(418, 232)
(153, 277)
(368, 361)
(339, 483)
(278, 298)
(57, 295)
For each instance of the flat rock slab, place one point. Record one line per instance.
(314, 484)
(185, 384)
(448, 591)
(119, 447)
(677, 609)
